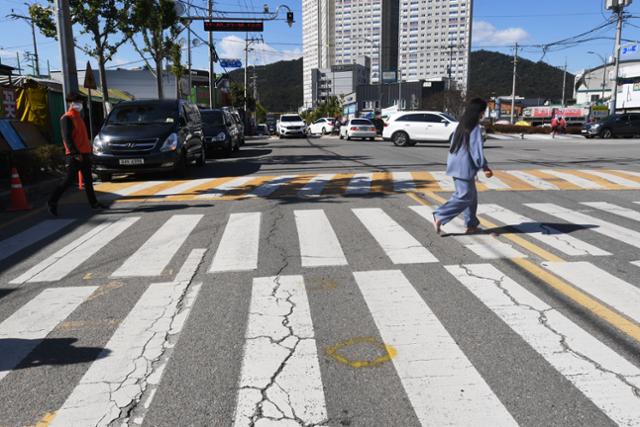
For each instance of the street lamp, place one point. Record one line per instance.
(604, 70)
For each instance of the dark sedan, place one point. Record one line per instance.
(220, 132)
(618, 125)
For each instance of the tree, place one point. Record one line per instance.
(261, 113)
(97, 18)
(237, 96)
(151, 19)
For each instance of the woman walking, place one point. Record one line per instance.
(466, 158)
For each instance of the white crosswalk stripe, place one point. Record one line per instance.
(617, 293)
(118, 377)
(319, 245)
(431, 366)
(533, 180)
(38, 232)
(628, 172)
(154, 255)
(444, 181)
(280, 378)
(493, 183)
(238, 248)
(127, 191)
(400, 246)
(30, 324)
(359, 184)
(315, 186)
(614, 209)
(542, 232)
(223, 188)
(403, 181)
(636, 263)
(606, 228)
(64, 261)
(574, 179)
(612, 178)
(184, 187)
(270, 187)
(606, 378)
(486, 247)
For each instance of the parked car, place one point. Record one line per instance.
(238, 122)
(262, 129)
(220, 132)
(614, 126)
(410, 127)
(291, 125)
(358, 128)
(149, 136)
(322, 126)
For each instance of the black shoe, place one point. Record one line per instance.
(52, 208)
(98, 206)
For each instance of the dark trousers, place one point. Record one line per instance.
(73, 166)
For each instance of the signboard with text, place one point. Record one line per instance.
(251, 26)
(230, 63)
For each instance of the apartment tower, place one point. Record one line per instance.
(317, 41)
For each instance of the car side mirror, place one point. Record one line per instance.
(446, 122)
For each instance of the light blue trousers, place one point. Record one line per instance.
(463, 200)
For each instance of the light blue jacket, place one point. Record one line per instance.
(466, 164)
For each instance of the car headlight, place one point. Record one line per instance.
(98, 145)
(221, 137)
(171, 143)
(595, 126)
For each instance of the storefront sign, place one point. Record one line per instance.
(8, 106)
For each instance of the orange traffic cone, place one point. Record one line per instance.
(80, 181)
(18, 197)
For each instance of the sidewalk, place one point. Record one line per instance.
(534, 137)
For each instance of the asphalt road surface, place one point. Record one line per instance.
(301, 283)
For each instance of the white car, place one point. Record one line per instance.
(358, 128)
(409, 127)
(291, 125)
(322, 126)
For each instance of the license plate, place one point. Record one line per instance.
(132, 161)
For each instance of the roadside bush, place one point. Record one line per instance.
(39, 163)
(527, 130)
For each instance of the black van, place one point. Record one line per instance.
(149, 136)
(220, 131)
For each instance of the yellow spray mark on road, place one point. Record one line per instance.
(45, 421)
(322, 284)
(389, 352)
(87, 276)
(72, 325)
(105, 289)
(584, 300)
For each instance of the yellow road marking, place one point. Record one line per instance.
(87, 276)
(584, 300)
(558, 182)
(46, 420)
(513, 182)
(600, 181)
(147, 194)
(425, 182)
(621, 174)
(389, 352)
(200, 189)
(382, 182)
(292, 187)
(338, 185)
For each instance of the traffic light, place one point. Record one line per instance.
(290, 18)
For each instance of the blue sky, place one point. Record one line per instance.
(497, 25)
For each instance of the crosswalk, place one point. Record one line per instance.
(361, 184)
(283, 379)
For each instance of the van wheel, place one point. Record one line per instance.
(606, 133)
(401, 139)
(104, 177)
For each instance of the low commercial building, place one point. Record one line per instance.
(339, 80)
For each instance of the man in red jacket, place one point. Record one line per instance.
(78, 152)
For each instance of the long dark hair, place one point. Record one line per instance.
(469, 120)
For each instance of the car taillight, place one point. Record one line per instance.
(372, 128)
(354, 128)
(386, 124)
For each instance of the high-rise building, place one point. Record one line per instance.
(434, 39)
(419, 39)
(317, 41)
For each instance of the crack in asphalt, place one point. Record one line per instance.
(544, 321)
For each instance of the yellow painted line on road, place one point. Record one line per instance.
(425, 181)
(558, 182)
(200, 189)
(513, 182)
(584, 300)
(337, 185)
(382, 182)
(291, 188)
(600, 181)
(389, 352)
(622, 174)
(46, 420)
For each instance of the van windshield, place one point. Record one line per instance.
(143, 114)
(212, 118)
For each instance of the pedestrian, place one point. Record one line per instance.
(465, 159)
(555, 126)
(78, 152)
(562, 125)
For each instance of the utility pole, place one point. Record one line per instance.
(564, 83)
(67, 53)
(189, 53)
(211, 76)
(247, 42)
(619, 10)
(36, 63)
(18, 59)
(513, 88)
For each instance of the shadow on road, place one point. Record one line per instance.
(50, 351)
(548, 228)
